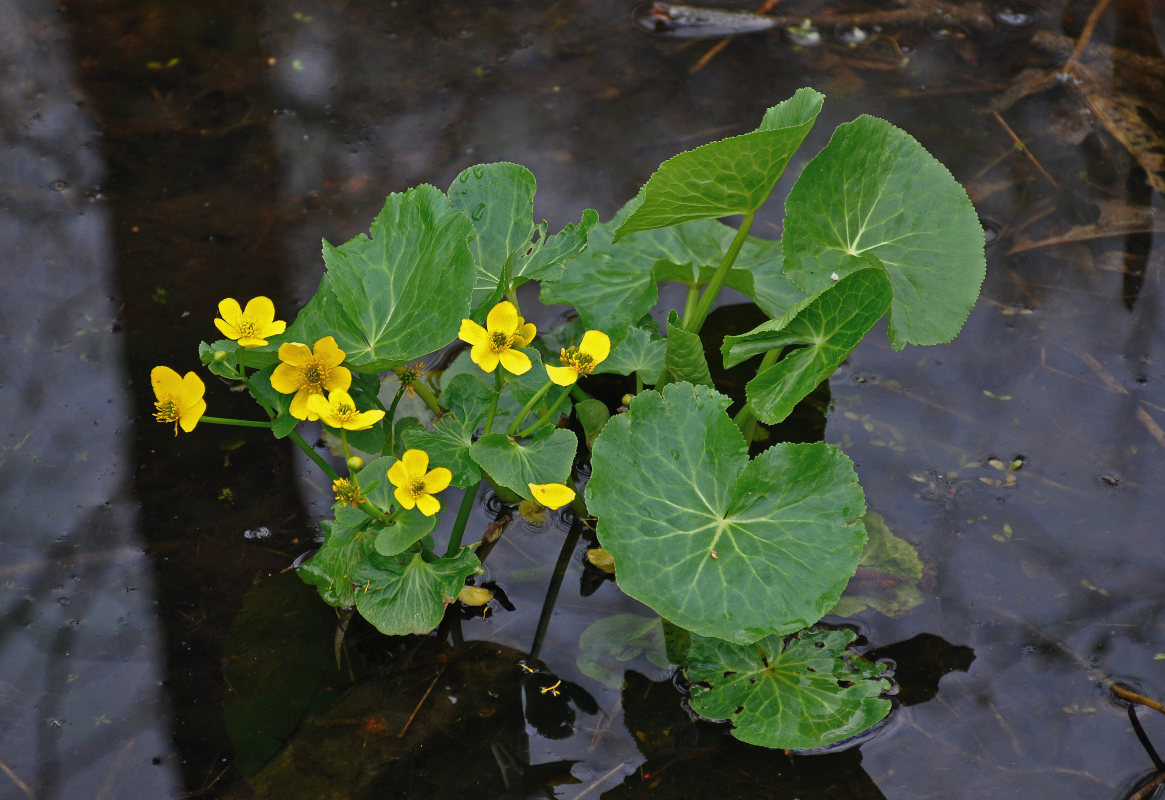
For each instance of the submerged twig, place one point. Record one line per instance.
(424, 697)
(1022, 146)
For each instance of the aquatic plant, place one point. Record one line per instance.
(740, 555)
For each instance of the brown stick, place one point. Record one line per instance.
(1133, 697)
(424, 697)
(1146, 791)
(1086, 34)
(1022, 146)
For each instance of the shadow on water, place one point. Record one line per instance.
(158, 157)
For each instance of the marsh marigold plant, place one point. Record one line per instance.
(416, 484)
(581, 360)
(179, 399)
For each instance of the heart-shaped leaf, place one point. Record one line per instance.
(875, 190)
(546, 458)
(718, 544)
(405, 594)
(800, 693)
(640, 351)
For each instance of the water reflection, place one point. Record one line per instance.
(81, 711)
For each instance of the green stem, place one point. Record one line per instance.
(390, 417)
(690, 302)
(745, 418)
(314, 456)
(422, 391)
(344, 442)
(463, 510)
(538, 395)
(242, 423)
(696, 321)
(549, 415)
(493, 407)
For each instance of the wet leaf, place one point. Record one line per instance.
(499, 199)
(830, 327)
(874, 190)
(405, 594)
(803, 692)
(608, 644)
(400, 294)
(887, 577)
(684, 357)
(712, 541)
(731, 176)
(546, 458)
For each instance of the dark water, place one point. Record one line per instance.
(156, 157)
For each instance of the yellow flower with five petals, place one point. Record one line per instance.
(581, 360)
(309, 370)
(416, 484)
(179, 398)
(498, 341)
(551, 495)
(339, 411)
(251, 325)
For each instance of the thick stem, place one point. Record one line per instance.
(745, 419)
(696, 321)
(390, 419)
(242, 423)
(314, 456)
(493, 407)
(549, 415)
(427, 395)
(463, 510)
(560, 566)
(538, 395)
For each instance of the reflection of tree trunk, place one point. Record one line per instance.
(179, 90)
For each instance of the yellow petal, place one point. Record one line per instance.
(251, 341)
(338, 378)
(327, 351)
(514, 361)
(166, 382)
(404, 497)
(299, 408)
(472, 333)
(503, 318)
(526, 333)
(285, 378)
(317, 405)
(484, 357)
(563, 376)
(226, 329)
(192, 388)
(428, 505)
(191, 414)
(416, 463)
(595, 344)
(364, 420)
(398, 475)
(437, 480)
(552, 495)
(260, 310)
(228, 309)
(273, 328)
(294, 353)
(474, 595)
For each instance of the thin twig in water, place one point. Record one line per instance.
(1147, 790)
(1086, 34)
(1134, 697)
(24, 787)
(424, 697)
(1019, 143)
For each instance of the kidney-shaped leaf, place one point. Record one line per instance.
(405, 594)
(718, 544)
(830, 327)
(546, 458)
(875, 190)
(731, 176)
(799, 693)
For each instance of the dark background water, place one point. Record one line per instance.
(156, 157)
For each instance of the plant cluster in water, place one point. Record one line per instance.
(741, 556)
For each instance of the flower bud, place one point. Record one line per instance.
(627, 398)
(220, 356)
(355, 463)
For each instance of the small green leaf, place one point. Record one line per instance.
(874, 190)
(640, 351)
(592, 415)
(830, 326)
(799, 693)
(718, 544)
(405, 594)
(731, 176)
(684, 358)
(547, 458)
(408, 529)
(400, 294)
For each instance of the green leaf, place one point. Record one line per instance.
(468, 397)
(592, 415)
(830, 326)
(259, 385)
(405, 594)
(801, 693)
(408, 529)
(641, 351)
(713, 542)
(875, 191)
(330, 568)
(547, 458)
(609, 643)
(448, 446)
(769, 288)
(731, 176)
(400, 294)
(499, 199)
(684, 358)
(410, 526)
(887, 577)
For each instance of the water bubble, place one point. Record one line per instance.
(1014, 16)
(257, 533)
(478, 212)
(59, 185)
(479, 172)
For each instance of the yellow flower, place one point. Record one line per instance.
(347, 493)
(474, 595)
(551, 495)
(251, 325)
(179, 399)
(495, 343)
(307, 371)
(416, 484)
(581, 360)
(339, 411)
